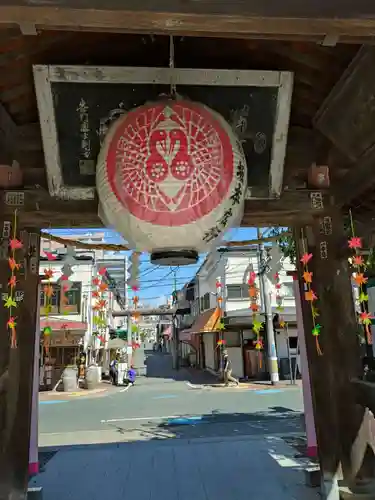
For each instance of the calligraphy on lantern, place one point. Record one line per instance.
(84, 128)
(235, 199)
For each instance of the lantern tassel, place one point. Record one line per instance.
(318, 349)
(368, 333)
(260, 360)
(13, 339)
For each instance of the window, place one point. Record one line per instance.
(232, 339)
(206, 301)
(287, 289)
(67, 303)
(237, 292)
(293, 342)
(71, 302)
(53, 301)
(202, 304)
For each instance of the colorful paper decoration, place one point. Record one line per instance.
(254, 307)
(171, 175)
(220, 324)
(9, 298)
(310, 296)
(100, 288)
(355, 244)
(279, 297)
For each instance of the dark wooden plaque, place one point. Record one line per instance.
(84, 111)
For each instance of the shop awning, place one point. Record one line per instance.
(63, 325)
(204, 323)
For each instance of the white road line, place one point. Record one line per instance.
(135, 419)
(125, 389)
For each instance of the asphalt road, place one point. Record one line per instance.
(149, 411)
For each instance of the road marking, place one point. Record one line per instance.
(268, 391)
(135, 419)
(56, 401)
(125, 388)
(165, 396)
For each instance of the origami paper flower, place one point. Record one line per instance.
(257, 326)
(306, 258)
(258, 344)
(15, 244)
(12, 281)
(316, 330)
(365, 318)
(355, 242)
(360, 279)
(314, 312)
(11, 323)
(307, 276)
(363, 297)
(50, 256)
(13, 264)
(310, 296)
(358, 260)
(48, 274)
(9, 302)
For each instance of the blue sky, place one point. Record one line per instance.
(157, 283)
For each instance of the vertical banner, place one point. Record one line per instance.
(33, 452)
(304, 369)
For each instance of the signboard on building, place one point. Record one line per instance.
(77, 104)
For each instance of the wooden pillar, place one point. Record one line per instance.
(16, 364)
(337, 415)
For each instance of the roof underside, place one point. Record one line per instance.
(316, 70)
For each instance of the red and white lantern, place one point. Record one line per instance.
(171, 176)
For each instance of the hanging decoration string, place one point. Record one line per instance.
(134, 285)
(279, 297)
(357, 262)
(173, 90)
(100, 305)
(10, 298)
(310, 295)
(221, 343)
(254, 306)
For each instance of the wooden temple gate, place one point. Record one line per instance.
(328, 170)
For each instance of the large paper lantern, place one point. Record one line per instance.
(171, 178)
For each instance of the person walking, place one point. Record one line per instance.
(228, 370)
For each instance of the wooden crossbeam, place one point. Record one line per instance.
(36, 208)
(309, 18)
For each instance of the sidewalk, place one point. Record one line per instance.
(103, 389)
(240, 468)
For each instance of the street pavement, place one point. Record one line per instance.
(189, 441)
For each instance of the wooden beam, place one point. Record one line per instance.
(289, 17)
(36, 207)
(293, 207)
(8, 136)
(359, 179)
(337, 415)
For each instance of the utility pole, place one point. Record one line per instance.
(175, 342)
(271, 344)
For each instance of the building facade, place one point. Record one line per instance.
(199, 330)
(69, 314)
